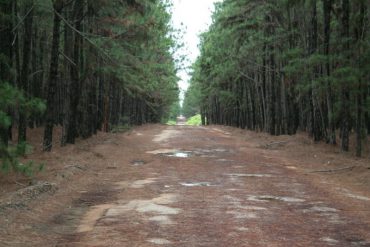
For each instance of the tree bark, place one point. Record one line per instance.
(6, 51)
(75, 86)
(24, 77)
(327, 6)
(345, 97)
(53, 77)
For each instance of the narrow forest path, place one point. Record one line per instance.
(198, 186)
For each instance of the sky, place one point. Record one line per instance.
(192, 17)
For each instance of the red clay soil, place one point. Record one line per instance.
(189, 186)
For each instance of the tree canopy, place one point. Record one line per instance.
(84, 65)
(282, 66)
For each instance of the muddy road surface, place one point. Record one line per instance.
(190, 186)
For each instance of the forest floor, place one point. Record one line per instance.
(189, 186)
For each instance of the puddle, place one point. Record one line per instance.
(162, 151)
(267, 198)
(196, 184)
(138, 184)
(329, 240)
(232, 199)
(159, 241)
(363, 198)
(171, 153)
(208, 152)
(141, 183)
(178, 154)
(242, 229)
(242, 215)
(292, 167)
(165, 199)
(358, 242)
(253, 208)
(142, 206)
(322, 209)
(205, 153)
(334, 218)
(249, 175)
(138, 162)
(224, 160)
(162, 219)
(354, 196)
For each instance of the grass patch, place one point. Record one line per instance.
(121, 128)
(171, 122)
(195, 120)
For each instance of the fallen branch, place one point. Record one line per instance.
(269, 145)
(334, 170)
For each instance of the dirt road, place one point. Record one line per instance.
(192, 186)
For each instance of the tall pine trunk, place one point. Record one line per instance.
(345, 97)
(24, 77)
(6, 53)
(75, 87)
(53, 77)
(361, 94)
(327, 6)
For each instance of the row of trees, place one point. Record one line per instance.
(287, 65)
(85, 65)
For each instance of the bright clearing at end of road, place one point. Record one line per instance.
(193, 17)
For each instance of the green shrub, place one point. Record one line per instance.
(195, 120)
(121, 128)
(11, 97)
(171, 122)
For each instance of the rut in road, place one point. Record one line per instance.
(198, 186)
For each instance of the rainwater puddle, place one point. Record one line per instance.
(172, 153)
(249, 175)
(179, 154)
(267, 198)
(253, 208)
(242, 215)
(205, 153)
(141, 183)
(196, 184)
(224, 160)
(242, 229)
(159, 241)
(138, 162)
(138, 184)
(322, 209)
(162, 220)
(355, 196)
(292, 167)
(330, 241)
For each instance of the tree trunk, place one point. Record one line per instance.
(75, 87)
(327, 6)
(24, 78)
(6, 52)
(53, 77)
(345, 97)
(361, 94)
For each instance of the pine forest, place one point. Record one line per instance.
(85, 65)
(286, 66)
